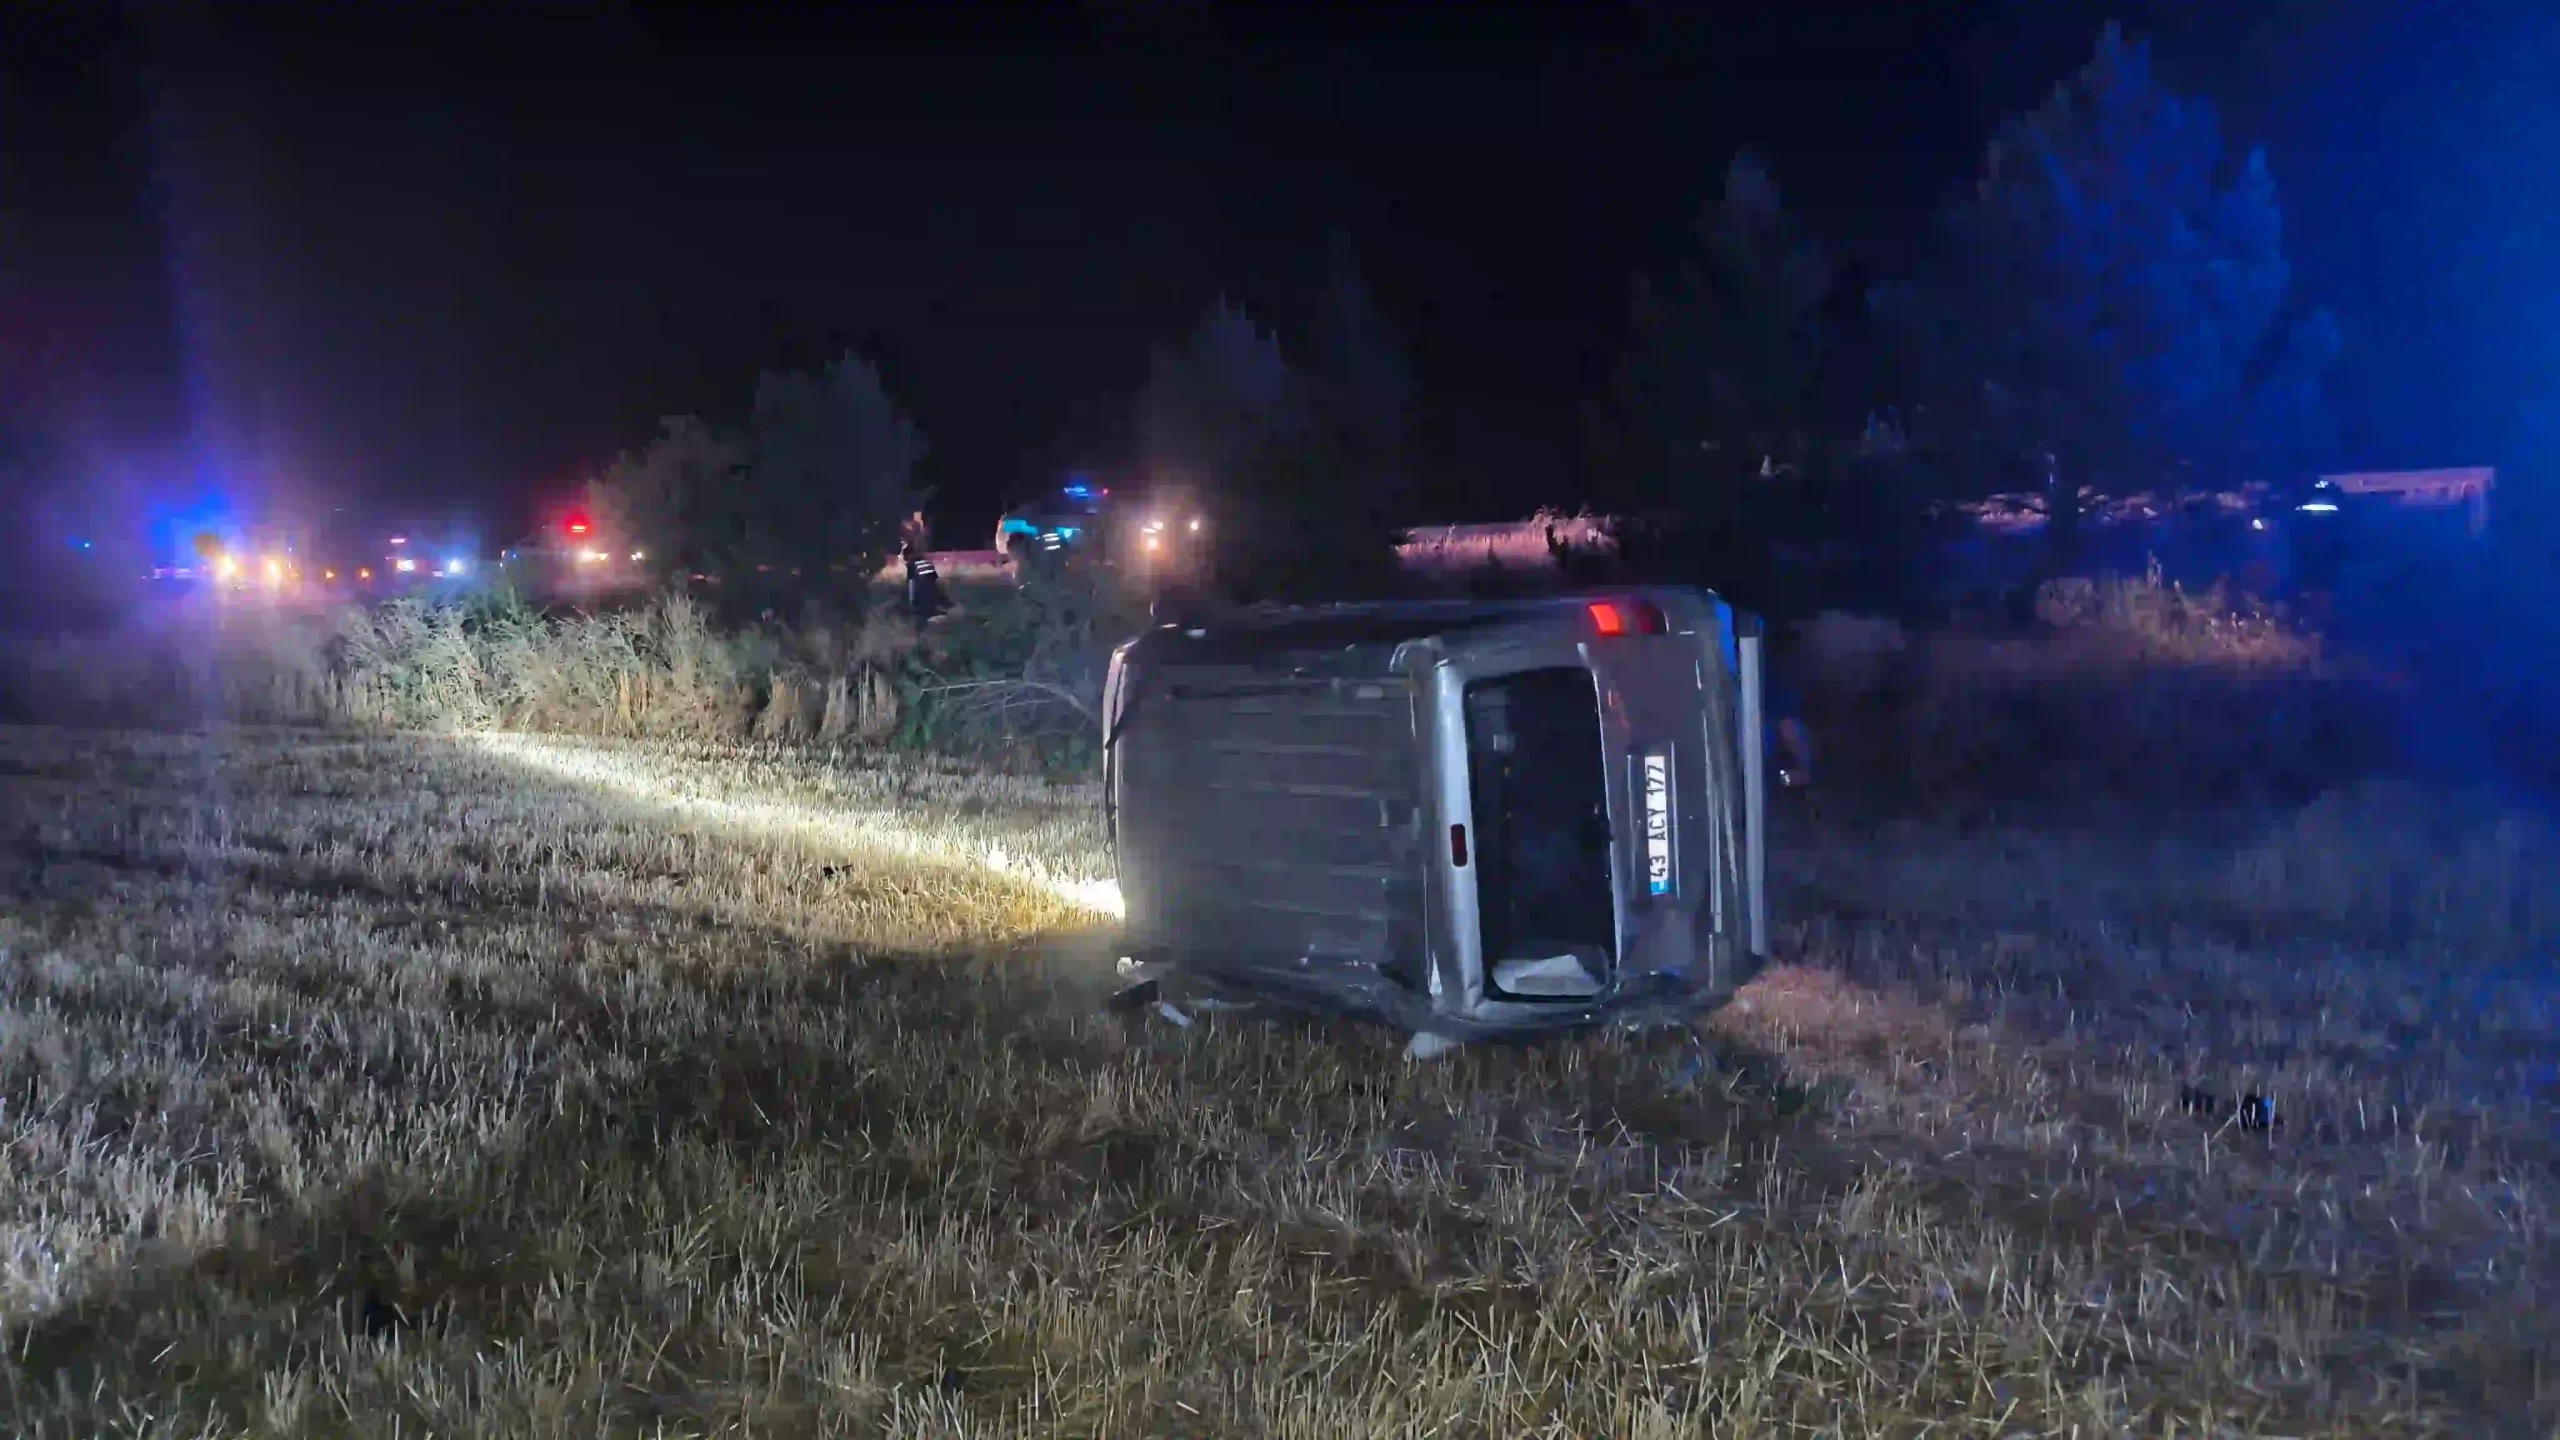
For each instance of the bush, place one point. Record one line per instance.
(2131, 696)
(495, 662)
(1010, 675)
(1020, 673)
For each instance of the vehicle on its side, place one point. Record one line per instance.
(1465, 819)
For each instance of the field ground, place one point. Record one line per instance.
(504, 1087)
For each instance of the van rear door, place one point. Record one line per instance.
(1667, 733)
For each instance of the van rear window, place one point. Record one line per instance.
(1537, 782)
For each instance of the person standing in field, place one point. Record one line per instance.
(924, 581)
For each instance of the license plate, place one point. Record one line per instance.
(1657, 823)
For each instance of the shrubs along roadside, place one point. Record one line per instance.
(660, 670)
(1012, 675)
(2127, 696)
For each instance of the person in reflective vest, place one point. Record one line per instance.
(924, 583)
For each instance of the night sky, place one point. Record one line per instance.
(430, 264)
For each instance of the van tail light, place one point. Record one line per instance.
(1458, 847)
(1615, 618)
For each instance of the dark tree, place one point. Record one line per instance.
(2108, 311)
(1719, 416)
(1721, 385)
(1226, 417)
(1363, 392)
(830, 478)
(653, 500)
(1217, 400)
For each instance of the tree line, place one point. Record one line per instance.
(2105, 310)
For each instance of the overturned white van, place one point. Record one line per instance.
(1467, 819)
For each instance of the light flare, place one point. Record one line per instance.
(868, 827)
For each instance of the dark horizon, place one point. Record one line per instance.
(439, 265)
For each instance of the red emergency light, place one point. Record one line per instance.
(577, 527)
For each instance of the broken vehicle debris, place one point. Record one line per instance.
(1466, 819)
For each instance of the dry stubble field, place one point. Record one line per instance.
(410, 1086)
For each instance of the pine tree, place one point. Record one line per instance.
(831, 478)
(1363, 388)
(652, 500)
(1716, 424)
(2108, 312)
(1217, 400)
(1228, 418)
(1719, 389)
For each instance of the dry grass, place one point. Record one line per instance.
(514, 1087)
(176, 661)
(659, 669)
(2130, 696)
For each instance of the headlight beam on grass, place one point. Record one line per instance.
(883, 830)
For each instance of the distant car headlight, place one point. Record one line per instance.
(404, 564)
(455, 566)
